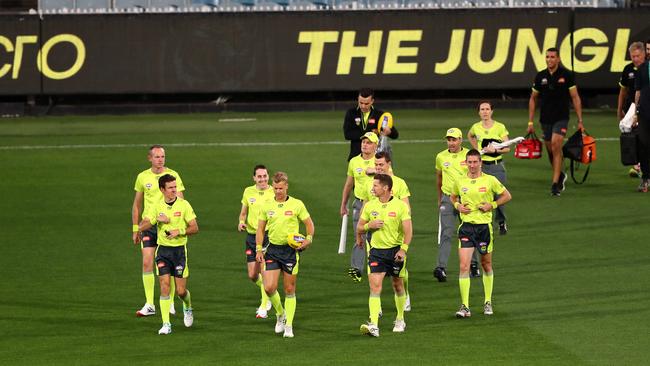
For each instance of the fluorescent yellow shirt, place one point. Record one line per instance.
(392, 213)
(147, 183)
(400, 189)
(357, 170)
(495, 133)
(254, 198)
(452, 166)
(473, 192)
(283, 218)
(180, 213)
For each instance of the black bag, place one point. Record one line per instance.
(628, 148)
(573, 150)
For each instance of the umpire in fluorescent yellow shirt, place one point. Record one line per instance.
(389, 221)
(473, 196)
(175, 220)
(282, 217)
(481, 135)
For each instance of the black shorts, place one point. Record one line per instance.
(251, 246)
(477, 236)
(558, 127)
(281, 257)
(172, 261)
(150, 237)
(383, 261)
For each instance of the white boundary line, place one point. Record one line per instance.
(219, 144)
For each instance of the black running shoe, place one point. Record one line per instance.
(355, 274)
(555, 190)
(503, 228)
(561, 181)
(474, 272)
(440, 274)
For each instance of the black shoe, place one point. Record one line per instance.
(503, 229)
(561, 181)
(555, 189)
(355, 274)
(440, 274)
(474, 272)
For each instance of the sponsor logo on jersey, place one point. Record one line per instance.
(392, 214)
(482, 189)
(177, 213)
(630, 75)
(446, 164)
(251, 200)
(374, 213)
(371, 121)
(359, 170)
(464, 189)
(288, 213)
(357, 121)
(560, 81)
(271, 213)
(544, 81)
(148, 185)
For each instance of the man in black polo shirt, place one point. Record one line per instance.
(364, 118)
(642, 122)
(554, 87)
(627, 88)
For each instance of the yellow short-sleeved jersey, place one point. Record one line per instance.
(147, 183)
(473, 192)
(452, 166)
(283, 218)
(393, 213)
(484, 136)
(254, 199)
(357, 170)
(180, 213)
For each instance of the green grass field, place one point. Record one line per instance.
(571, 277)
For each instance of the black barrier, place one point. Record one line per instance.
(309, 51)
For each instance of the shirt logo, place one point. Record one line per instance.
(252, 200)
(357, 121)
(148, 185)
(560, 81)
(630, 75)
(271, 213)
(371, 121)
(544, 81)
(288, 213)
(464, 189)
(359, 170)
(482, 189)
(374, 213)
(392, 214)
(446, 164)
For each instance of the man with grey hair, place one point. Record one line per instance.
(627, 89)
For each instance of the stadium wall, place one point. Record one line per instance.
(309, 51)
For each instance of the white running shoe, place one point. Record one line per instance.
(172, 309)
(146, 310)
(463, 312)
(166, 329)
(288, 331)
(487, 308)
(407, 303)
(261, 313)
(279, 324)
(369, 330)
(400, 326)
(188, 317)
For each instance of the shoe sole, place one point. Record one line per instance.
(485, 313)
(258, 316)
(142, 315)
(461, 315)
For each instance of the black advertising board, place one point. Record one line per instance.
(310, 51)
